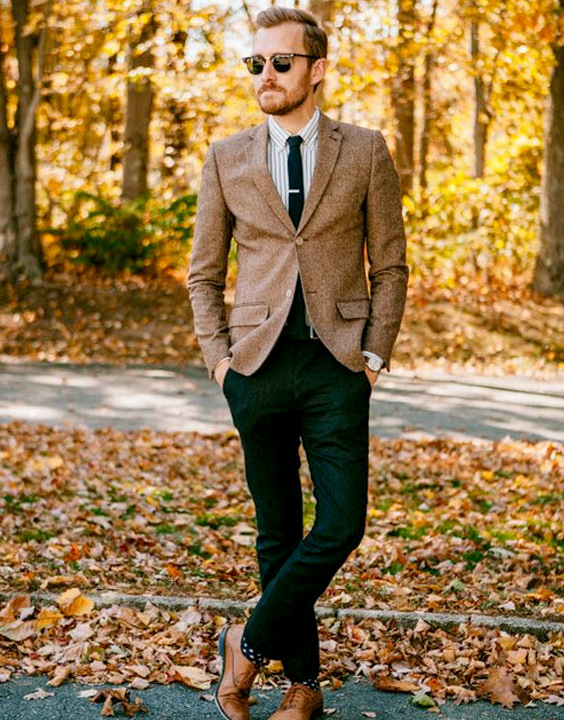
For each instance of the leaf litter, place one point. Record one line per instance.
(452, 526)
(86, 317)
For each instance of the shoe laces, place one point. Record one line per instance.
(292, 698)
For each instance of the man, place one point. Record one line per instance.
(303, 197)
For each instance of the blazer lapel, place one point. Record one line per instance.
(256, 159)
(328, 148)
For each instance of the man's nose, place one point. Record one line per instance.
(268, 70)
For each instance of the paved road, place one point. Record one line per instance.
(403, 404)
(176, 702)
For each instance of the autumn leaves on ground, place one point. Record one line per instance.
(453, 526)
(81, 318)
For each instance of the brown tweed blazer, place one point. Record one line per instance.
(353, 203)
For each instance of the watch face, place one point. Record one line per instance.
(375, 365)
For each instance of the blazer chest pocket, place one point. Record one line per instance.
(248, 315)
(353, 309)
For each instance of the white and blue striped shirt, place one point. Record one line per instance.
(278, 151)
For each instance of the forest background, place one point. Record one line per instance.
(107, 110)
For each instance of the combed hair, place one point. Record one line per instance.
(315, 37)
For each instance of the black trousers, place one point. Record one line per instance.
(301, 393)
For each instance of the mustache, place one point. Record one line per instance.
(264, 88)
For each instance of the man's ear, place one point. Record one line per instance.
(318, 70)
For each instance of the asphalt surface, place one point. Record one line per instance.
(176, 702)
(403, 404)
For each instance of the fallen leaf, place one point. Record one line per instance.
(39, 694)
(46, 618)
(421, 626)
(139, 683)
(194, 677)
(72, 602)
(187, 618)
(53, 462)
(108, 707)
(11, 611)
(174, 571)
(58, 580)
(390, 684)
(61, 674)
(132, 708)
(118, 694)
(517, 657)
(19, 630)
(83, 631)
(507, 642)
(423, 700)
(499, 687)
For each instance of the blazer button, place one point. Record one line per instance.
(299, 240)
(288, 293)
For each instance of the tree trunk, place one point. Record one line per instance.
(323, 10)
(29, 254)
(8, 248)
(481, 112)
(427, 106)
(404, 95)
(549, 267)
(113, 113)
(138, 115)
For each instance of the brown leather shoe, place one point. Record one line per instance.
(300, 703)
(237, 675)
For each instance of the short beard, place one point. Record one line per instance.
(290, 100)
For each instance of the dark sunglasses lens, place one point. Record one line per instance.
(281, 64)
(254, 65)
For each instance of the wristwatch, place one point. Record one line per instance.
(374, 363)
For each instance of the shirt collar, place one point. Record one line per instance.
(279, 136)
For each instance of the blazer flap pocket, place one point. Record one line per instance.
(248, 315)
(352, 309)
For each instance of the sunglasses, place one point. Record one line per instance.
(281, 62)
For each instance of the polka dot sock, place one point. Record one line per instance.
(252, 655)
(258, 659)
(311, 683)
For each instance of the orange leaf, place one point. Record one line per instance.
(75, 553)
(47, 617)
(11, 610)
(174, 572)
(72, 602)
(390, 684)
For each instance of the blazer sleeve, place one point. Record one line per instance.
(208, 266)
(385, 240)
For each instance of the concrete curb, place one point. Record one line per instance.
(510, 624)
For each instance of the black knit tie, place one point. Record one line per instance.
(296, 326)
(296, 178)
